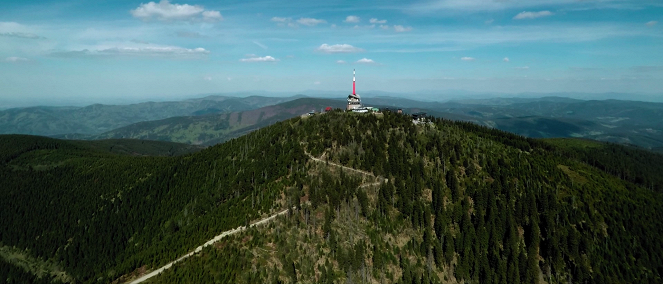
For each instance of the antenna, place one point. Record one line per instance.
(353, 82)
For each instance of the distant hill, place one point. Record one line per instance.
(624, 122)
(203, 121)
(217, 128)
(98, 118)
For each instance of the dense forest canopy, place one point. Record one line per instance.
(434, 202)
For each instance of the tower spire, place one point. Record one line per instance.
(353, 82)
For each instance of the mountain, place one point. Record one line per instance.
(98, 118)
(617, 121)
(213, 129)
(625, 122)
(342, 197)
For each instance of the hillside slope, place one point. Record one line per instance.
(446, 202)
(214, 129)
(98, 118)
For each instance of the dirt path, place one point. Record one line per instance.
(349, 169)
(242, 228)
(208, 243)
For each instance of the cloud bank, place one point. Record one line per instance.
(351, 19)
(165, 11)
(338, 48)
(22, 35)
(401, 29)
(259, 59)
(310, 21)
(150, 51)
(366, 61)
(532, 15)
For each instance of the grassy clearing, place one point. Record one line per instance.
(36, 266)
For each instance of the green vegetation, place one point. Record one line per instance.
(216, 128)
(80, 122)
(638, 166)
(12, 274)
(102, 215)
(461, 203)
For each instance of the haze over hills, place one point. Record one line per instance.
(98, 118)
(216, 128)
(624, 122)
(372, 197)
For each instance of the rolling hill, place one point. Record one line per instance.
(624, 122)
(369, 198)
(79, 122)
(217, 128)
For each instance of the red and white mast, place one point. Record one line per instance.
(353, 82)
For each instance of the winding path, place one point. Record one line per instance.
(208, 243)
(349, 169)
(242, 228)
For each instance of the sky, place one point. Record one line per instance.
(88, 51)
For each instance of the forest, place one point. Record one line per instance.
(438, 202)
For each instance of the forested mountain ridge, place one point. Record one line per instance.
(99, 118)
(217, 128)
(462, 203)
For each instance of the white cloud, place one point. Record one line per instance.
(400, 29)
(384, 27)
(488, 22)
(281, 20)
(532, 15)
(376, 21)
(333, 26)
(558, 33)
(167, 50)
(260, 44)
(351, 19)
(284, 22)
(338, 48)
(467, 58)
(506, 59)
(22, 35)
(154, 51)
(310, 21)
(340, 61)
(166, 11)
(207, 78)
(433, 6)
(316, 83)
(259, 59)
(366, 61)
(212, 16)
(651, 23)
(16, 59)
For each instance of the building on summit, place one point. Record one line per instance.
(354, 101)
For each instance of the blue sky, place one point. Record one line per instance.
(103, 50)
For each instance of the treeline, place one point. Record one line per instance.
(638, 166)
